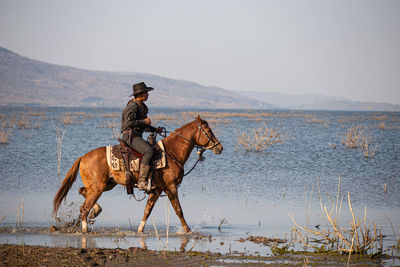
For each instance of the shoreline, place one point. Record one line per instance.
(81, 252)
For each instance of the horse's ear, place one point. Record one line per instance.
(198, 118)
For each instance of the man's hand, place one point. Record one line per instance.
(159, 130)
(147, 121)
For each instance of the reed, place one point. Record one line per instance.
(83, 114)
(8, 123)
(379, 117)
(352, 138)
(257, 140)
(112, 115)
(23, 123)
(20, 214)
(5, 136)
(221, 222)
(32, 113)
(366, 147)
(359, 238)
(4, 215)
(71, 120)
(396, 246)
(163, 117)
(114, 127)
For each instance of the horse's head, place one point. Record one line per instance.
(206, 138)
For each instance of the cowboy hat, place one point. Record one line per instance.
(140, 88)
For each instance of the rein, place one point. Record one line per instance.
(200, 149)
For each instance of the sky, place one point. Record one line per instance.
(348, 48)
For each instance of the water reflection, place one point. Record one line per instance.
(84, 242)
(142, 242)
(184, 240)
(181, 241)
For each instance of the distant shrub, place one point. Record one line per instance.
(257, 140)
(72, 120)
(112, 115)
(354, 138)
(23, 123)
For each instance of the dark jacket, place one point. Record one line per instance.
(133, 118)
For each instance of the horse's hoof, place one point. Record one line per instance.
(95, 212)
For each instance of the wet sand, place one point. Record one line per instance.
(20, 255)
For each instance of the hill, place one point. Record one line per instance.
(318, 102)
(25, 81)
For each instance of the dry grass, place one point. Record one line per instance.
(379, 117)
(314, 120)
(23, 123)
(4, 215)
(4, 136)
(67, 119)
(354, 138)
(36, 114)
(113, 126)
(20, 214)
(83, 114)
(163, 117)
(112, 115)
(366, 147)
(258, 140)
(8, 123)
(250, 115)
(167, 119)
(359, 238)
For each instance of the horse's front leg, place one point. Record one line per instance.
(172, 194)
(153, 197)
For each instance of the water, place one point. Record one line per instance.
(253, 192)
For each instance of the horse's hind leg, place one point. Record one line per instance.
(153, 197)
(96, 210)
(91, 198)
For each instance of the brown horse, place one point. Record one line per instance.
(98, 177)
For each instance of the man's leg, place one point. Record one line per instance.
(143, 147)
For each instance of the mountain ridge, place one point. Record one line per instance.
(27, 81)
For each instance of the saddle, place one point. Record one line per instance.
(123, 158)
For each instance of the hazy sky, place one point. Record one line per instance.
(341, 47)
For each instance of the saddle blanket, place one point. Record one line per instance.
(117, 164)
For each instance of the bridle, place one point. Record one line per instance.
(200, 149)
(201, 130)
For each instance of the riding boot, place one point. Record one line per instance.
(143, 173)
(129, 187)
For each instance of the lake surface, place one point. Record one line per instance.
(253, 192)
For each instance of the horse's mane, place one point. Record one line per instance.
(182, 128)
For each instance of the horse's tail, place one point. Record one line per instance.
(66, 185)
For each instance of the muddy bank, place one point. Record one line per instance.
(47, 247)
(20, 255)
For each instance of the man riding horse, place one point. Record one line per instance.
(134, 122)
